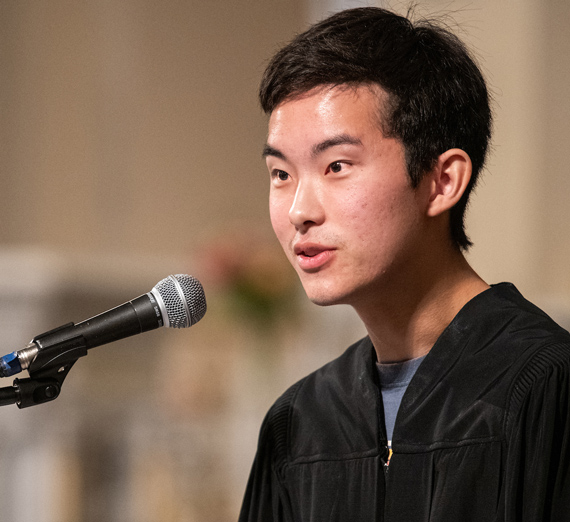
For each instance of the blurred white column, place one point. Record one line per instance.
(30, 459)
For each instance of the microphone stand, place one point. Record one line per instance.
(49, 368)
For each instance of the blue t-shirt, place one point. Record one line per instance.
(394, 379)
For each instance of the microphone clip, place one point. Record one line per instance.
(49, 368)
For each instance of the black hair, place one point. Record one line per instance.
(437, 98)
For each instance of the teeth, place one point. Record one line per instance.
(309, 253)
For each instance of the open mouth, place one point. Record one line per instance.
(310, 251)
(313, 257)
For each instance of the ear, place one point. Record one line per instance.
(448, 181)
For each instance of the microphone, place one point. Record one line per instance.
(177, 301)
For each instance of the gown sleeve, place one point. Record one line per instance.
(538, 440)
(266, 498)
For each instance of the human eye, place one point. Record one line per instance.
(335, 167)
(279, 175)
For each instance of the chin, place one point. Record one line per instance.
(323, 294)
(326, 289)
(322, 301)
(321, 297)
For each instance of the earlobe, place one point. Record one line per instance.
(448, 180)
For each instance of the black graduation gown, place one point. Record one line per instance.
(482, 433)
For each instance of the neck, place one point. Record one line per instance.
(409, 315)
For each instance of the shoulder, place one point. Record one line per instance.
(306, 421)
(333, 377)
(540, 350)
(542, 384)
(500, 328)
(530, 350)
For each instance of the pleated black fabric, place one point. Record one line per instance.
(482, 433)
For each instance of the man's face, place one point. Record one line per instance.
(341, 202)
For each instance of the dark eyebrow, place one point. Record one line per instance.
(268, 150)
(341, 139)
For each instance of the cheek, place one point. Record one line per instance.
(376, 217)
(360, 212)
(279, 215)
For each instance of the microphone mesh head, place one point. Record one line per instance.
(183, 298)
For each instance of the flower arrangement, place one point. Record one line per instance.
(253, 277)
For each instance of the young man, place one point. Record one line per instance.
(455, 407)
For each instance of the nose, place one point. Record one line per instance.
(307, 208)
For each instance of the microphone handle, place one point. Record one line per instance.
(133, 317)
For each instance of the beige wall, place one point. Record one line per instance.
(132, 125)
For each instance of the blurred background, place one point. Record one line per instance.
(130, 148)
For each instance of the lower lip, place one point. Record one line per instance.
(314, 262)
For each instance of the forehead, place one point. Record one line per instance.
(329, 109)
